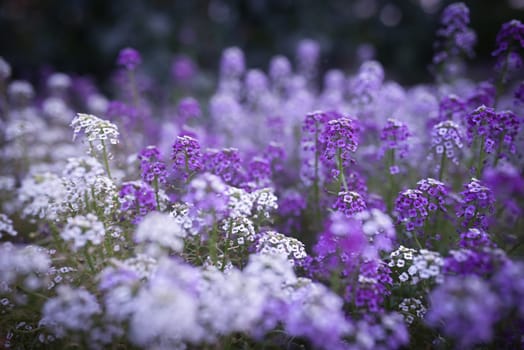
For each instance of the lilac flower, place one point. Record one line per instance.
(129, 58)
(476, 205)
(137, 199)
(484, 94)
(188, 108)
(508, 187)
(394, 145)
(259, 170)
(365, 86)
(316, 314)
(452, 108)
(151, 166)
(183, 69)
(480, 260)
(186, 156)
(456, 38)
(232, 63)
(372, 286)
(349, 203)
(509, 40)
(341, 139)
(446, 143)
(225, 163)
(465, 309)
(72, 310)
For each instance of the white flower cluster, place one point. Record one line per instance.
(71, 310)
(82, 229)
(447, 139)
(240, 229)
(274, 243)
(97, 130)
(414, 266)
(412, 308)
(264, 202)
(6, 226)
(240, 202)
(87, 186)
(42, 196)
(181, 213)
(180, 304)
(378, 228)
(28, 263)
(162, 231)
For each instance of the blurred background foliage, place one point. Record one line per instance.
(84, 36)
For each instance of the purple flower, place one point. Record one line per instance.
(136, 200)
(349, 203)
(476, 205)
(151, 165)
(446, 141)
(188, 108)
(232, 63)
(394, 136)
(226, 164)
(465, 309)
(183, 69)
(456, 37)
(341, 139)
(129, 58)
(186, 156)
(259, 171)
(509, 40)
(373, 285)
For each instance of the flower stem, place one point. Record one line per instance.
(155, 185)
(442, 166)
(105, 158)
(342, 177)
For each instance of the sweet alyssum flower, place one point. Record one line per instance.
(83, 229)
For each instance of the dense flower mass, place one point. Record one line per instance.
(270, 213)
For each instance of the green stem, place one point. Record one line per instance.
(481, 157)
(442, 166)
(105, 158)
(155, 185)
(342, 177)
(89, 260)
(212, 241)
(499, 150)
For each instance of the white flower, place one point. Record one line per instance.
(71, 310)
(6, 226)
(274, 243)
(96, 130)
(83, 229)
(161, 229)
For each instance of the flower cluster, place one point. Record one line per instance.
(446, 144)
(456, 38)
(186, 156)
(275, 222)
(96, 130)
(509, 41)
(152, 168)
(476, 205)
(83, 230)
(415, 266)
(272, 242)
(137, 199)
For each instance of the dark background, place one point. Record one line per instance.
(84, 36)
